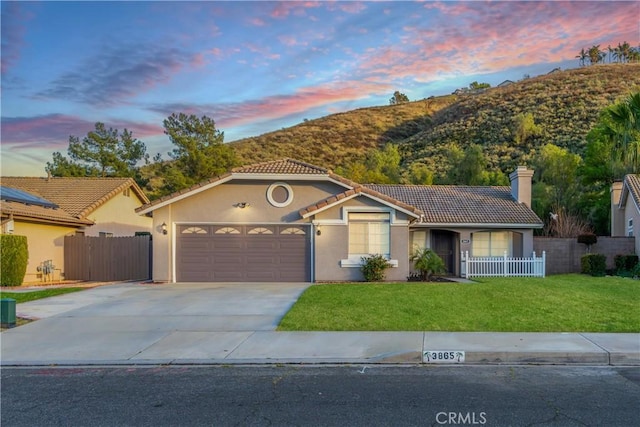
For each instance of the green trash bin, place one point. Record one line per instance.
(7, 312)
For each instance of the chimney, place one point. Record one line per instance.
(521, 185)
(617, 214)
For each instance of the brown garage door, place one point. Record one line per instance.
(242, 253)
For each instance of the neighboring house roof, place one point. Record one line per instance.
(630, 186)
(76, 197)
(505, 83)
(459, 204)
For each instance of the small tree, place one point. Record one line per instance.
(14, 257)
(374, 267)
(588, 239)
(428, 263)
(398, 98)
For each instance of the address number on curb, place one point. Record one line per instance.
(440, 356)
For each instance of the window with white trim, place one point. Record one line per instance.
(369, 234)
(491, 243)
(630, 227)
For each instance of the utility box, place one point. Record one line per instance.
(7, 312)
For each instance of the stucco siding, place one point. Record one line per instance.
(46, 242)
(632, 213)
(118, 216)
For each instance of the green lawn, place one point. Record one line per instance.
(34, 295)
(563, 303)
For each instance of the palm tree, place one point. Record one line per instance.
(582, 57)
(595, 54)
(625, 50)
(624, 129)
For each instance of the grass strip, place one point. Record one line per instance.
(563, 303)
(35, 295)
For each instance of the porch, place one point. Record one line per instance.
(504, 266)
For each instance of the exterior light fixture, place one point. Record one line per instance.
(241, 205)
(163, 227)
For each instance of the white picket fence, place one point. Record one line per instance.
(503, 266)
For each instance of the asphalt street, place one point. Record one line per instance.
(298, 395)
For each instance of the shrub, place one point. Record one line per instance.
(625, 262)
(374, 268)
(428, 263)
(14, 255)
(593, 264)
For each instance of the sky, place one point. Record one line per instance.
(257, 67)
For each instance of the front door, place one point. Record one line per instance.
(443, 243)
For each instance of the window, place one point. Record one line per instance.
(368, 234)
(280, 194)
(630, 227)
(493, 243)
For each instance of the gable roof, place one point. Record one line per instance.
(460, 204)
(630, 186)
(76, 197)
(357, 191)
(284, 168)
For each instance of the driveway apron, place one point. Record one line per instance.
(135, 322)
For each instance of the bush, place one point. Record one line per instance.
(14, 255)
(625, 263)
(593, 264)
(588, 239)
(428, 263)
(374, 268)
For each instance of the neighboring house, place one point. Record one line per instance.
(291, 221)
(47, 209)
(505, 83)
(625, 208)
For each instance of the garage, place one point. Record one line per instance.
(243, 253)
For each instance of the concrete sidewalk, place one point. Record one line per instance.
(134, 324)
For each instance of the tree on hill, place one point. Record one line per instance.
(199, 153)
(398, 98)
(379, 167)
(469, 167)
(475, 85)
(596, 55)
(103, 152)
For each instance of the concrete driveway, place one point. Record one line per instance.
(143, 321)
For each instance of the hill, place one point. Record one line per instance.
(564, 106)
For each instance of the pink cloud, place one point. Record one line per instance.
(285, 8)
(13, 31)
(257, 22)
(280, 106)
(491, 37)
(52, 131)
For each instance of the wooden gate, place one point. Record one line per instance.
(107, 258)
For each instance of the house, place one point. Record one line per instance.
(47, 209)
(625, 208)
(287, 220)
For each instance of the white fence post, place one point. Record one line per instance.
(544, 264)
(463, 265)
(505, 266)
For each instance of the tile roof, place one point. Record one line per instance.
(276, 167)
(57, 216)
(358, 189)
(77, 196)
(632, 182)
(457, 204)
(284, 167)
